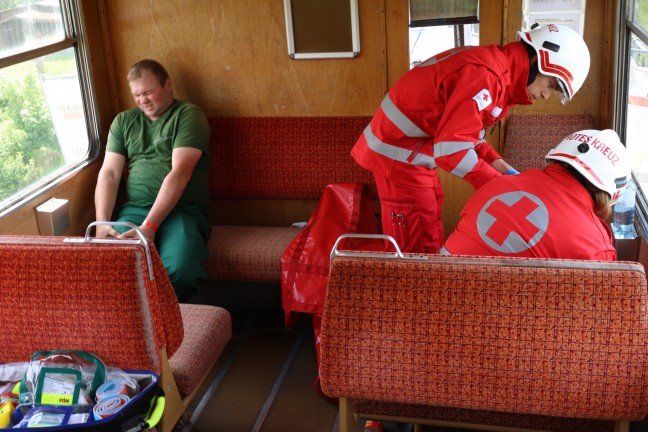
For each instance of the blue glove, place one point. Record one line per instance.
(512, 171)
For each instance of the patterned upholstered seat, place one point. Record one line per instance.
(530, 137)
(273, 159)
(247, 252)
(512, 343)
(104, 299)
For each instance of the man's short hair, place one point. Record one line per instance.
(136, 71)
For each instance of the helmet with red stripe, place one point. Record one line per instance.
(599, 156)
(562, 53)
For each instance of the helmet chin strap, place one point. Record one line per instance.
(563, 95)
(562, 85)
(533, 71)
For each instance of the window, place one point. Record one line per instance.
(438, 25)
(46, 126)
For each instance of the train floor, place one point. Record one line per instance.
(263, 381)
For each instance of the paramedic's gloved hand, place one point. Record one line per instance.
(501, 166)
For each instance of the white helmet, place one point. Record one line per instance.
(599, 156)
(562, 53)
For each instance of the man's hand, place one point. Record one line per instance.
(147, 232)
(105, 231)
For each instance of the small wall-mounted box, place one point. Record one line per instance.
(53, 217)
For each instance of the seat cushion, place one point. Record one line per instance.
(207, 330)
(247, 252)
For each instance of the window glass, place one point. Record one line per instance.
(29, 24)
(42, 124)
(438, 25)
(641, 14)
(637, 108)
(428, 41)
(44, 132)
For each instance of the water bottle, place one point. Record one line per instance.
(624, 214)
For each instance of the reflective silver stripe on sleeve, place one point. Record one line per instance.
(444, 251)
(400, 120)
(436, 59)
(482, 137)
(466, 165)
(428, 62)
(396, 153)
(445, 148)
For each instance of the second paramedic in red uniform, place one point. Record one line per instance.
(436, 115)
(557, 212)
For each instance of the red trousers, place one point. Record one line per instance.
(412, 215)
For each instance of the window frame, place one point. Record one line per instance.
(74, 37)
(624, 22)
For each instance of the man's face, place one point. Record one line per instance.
(151, 97)
(543, 87)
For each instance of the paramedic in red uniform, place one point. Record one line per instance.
(436, 116)
(557, 212)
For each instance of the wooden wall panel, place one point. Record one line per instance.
(397, 36)
(78, 189)
(230, 57)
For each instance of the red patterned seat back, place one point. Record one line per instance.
(93, 297)
(539, 337)
(284, 157)
(530, 137)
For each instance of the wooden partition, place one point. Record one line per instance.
(231, 58)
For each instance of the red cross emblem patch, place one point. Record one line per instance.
(513, 222)
(483, 99)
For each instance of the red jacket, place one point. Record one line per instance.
(538, 214)
(434, 115)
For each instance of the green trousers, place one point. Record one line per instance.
(181, 241)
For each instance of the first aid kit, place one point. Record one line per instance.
(74, 390)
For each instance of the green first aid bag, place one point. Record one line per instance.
(62, 377)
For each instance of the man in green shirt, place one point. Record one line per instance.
(164, 144)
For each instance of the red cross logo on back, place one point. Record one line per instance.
(512, 222)
(503, 214)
